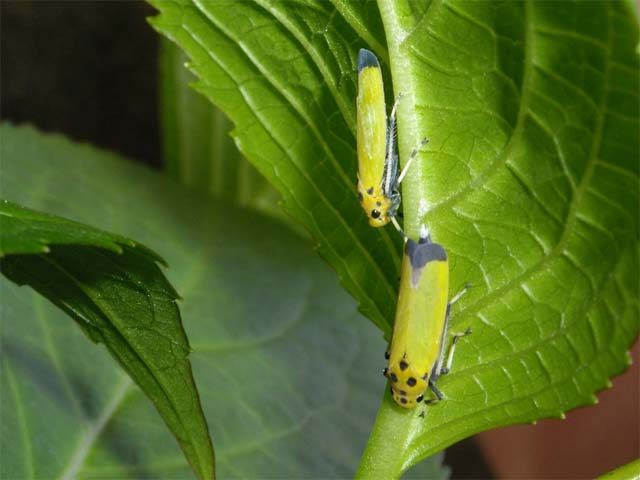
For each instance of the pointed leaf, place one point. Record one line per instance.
(117, 294)
(295, 119)
(530, 179)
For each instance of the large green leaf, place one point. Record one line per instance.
(538, 105)
(295, 117)
(116, 293)
(530, 179)
(282, 360)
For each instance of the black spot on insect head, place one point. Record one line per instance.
(402, 392)
(412, 382)
(403, 401)
(393, 377)
(360, 197)
(370, 190)
(419, 398)
(385, 372)
(425, 377)
(404, 365)
(378, 203)
(375, 213)
(386, 355)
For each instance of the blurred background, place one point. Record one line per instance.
(89, 70)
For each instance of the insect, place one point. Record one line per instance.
(417, 347)
(378, 179)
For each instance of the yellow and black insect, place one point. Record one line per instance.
(378, 179)
(417, 347)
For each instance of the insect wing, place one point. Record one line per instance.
(371, 120)
(419, 322)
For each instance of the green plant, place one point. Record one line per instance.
(530, 181)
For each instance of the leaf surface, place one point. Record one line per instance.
(116, 293)
(530, 179)
(284, 74)
(281, 357)
(26, 231)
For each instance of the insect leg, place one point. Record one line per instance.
(413, 155)
(457, 296)
(437, 393)
(395, 107)
(438, 368)
(389, 182)
(447, 368)
(398, 227)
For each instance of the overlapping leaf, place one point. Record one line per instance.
(530, 179)
(284, 74)
(281, 358)
(116, 293)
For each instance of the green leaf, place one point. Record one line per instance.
(117, 294)
(630, 471)
(24, 231)
(538, 107)
(282, 360)
(530, 179)
(295, 120)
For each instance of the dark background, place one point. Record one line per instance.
(84, 69)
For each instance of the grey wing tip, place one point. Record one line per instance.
(420, 253)
(366, 58)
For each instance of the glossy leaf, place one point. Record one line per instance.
(295, 120)
(536, 105)
(530, 179)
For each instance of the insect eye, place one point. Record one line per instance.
(375, 213)
(419, 398)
